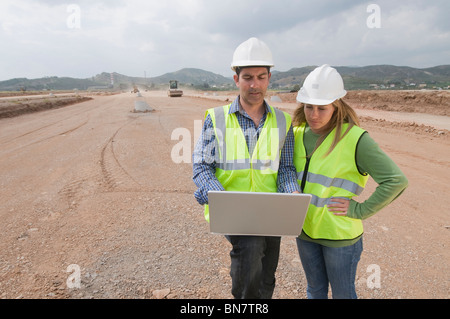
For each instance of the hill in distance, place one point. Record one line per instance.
(374, 76)
(367, 77)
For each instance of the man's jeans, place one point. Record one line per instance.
(323, 265)
(254, 260)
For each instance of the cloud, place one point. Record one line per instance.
(131, 37)
(408, 35)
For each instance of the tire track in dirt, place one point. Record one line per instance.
(16, 146)
(75, 128)
(114, 175)
(83, 111)
(44, 127)
(71, 192)
(168, 191)
(59, 134)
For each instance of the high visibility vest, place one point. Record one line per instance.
(324, 177)
(236, 169)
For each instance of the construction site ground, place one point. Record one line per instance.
(96, 201)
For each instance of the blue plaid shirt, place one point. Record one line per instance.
(204, 166)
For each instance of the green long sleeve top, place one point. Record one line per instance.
(372, 160)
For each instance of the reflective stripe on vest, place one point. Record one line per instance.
(333, 176)
(329, 182)
(236, 169)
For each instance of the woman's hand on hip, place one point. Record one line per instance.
(339, 206)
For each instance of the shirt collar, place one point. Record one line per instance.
(236, 107)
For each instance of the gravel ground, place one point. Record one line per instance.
(92, 190)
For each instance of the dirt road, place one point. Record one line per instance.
(91, 191)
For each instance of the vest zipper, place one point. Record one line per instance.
(305, 173)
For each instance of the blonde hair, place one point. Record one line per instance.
(343, 113)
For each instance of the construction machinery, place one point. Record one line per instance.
(173, 89)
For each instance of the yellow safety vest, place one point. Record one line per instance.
(236, 170)
(325, 177)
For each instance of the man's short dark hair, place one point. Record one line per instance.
(238, 69)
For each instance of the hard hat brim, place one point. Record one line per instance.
(308, 100)
(242, 64)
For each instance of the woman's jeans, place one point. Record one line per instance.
(323, 265)
(254, 260)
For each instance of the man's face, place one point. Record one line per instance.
(253, 83)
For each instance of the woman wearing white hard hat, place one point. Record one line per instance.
(334, 158)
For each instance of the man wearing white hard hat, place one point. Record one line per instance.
(334, 158)
(254, 259)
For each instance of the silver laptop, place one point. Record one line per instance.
(259, 214)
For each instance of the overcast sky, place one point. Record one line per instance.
(145, 37)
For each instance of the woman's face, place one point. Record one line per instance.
(318, 117)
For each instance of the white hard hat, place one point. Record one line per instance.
(322, 86)
(252, 52)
